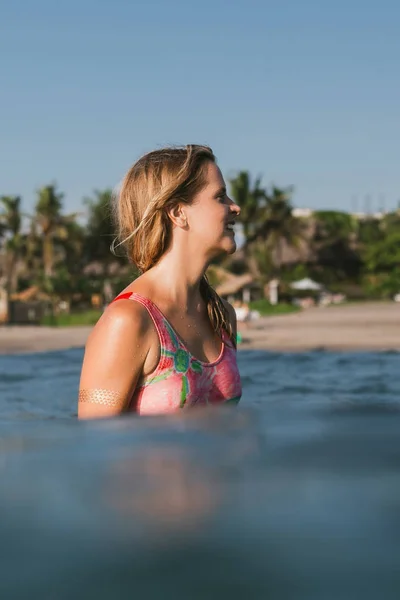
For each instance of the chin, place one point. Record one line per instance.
(229, 247)
(232, 249)
(226, 246)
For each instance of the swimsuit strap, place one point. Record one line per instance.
(154, 312)
(169, 339)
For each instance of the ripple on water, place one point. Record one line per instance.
(295, 494)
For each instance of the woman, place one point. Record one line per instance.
(167, 342)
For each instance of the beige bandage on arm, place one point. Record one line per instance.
(103, 397)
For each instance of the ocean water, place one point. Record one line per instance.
(294, 494)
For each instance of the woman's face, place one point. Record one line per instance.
(212, 214)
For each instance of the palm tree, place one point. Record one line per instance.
(73, 262)
(276, 228)
(51, 223)
(10, 227)
(283, 228)
(99, 229)
(250, 197)
(112, 268)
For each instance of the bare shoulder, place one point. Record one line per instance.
(125, 319)
(114, 357)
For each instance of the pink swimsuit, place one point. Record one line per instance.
(180, 380)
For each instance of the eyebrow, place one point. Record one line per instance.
(220, 191)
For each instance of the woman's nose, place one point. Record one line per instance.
(235, 208)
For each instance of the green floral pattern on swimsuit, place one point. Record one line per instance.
(181, 380)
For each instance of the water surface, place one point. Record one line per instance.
(295, 494)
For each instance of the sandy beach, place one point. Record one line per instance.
(369, 326)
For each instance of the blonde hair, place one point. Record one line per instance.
(155, 183)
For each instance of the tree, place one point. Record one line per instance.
(281, 226)
(369, 231)
(276, 229)
(10, 226)
(250, 197)
(384, 256)
(73, 263)
(100, 230)
(335, 245)
(382, 265)
(390, 223)
(100, 235)
(268, 223)
(51, 223)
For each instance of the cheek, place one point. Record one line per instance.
(209, 219)
(208, 222)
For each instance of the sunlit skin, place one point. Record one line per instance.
(124, 346)
(200, 233)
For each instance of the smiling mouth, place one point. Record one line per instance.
(230, 227)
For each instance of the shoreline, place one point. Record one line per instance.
(373, 326)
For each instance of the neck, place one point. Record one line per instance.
(179, 278)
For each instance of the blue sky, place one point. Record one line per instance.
(305, 92)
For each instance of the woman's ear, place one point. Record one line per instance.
(177, 215)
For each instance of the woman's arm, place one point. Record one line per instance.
(114, 357)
